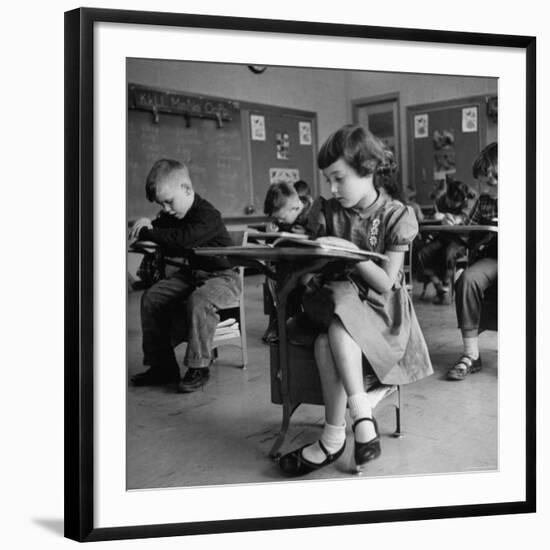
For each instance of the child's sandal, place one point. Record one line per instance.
(442, 298)
(465, 366)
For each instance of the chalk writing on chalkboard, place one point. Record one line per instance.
(214, 156)
(163, 101)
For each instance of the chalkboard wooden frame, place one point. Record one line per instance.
(79, 279)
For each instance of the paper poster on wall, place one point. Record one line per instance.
(257, 127)
(421, 126)
(305, 133)
(444, 164)
(287, 175)
(444, 139)
(283, 145)
(469, 119)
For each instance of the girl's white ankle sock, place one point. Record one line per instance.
(333, 438)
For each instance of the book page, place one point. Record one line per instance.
(282, 241)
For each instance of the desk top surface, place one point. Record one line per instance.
(459, 228)
(143, 246)
(282, 253)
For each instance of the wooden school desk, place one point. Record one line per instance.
(461, 229)
(294, 377)
(489, 308)
(457, 229)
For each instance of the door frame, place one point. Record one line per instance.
(356, 104)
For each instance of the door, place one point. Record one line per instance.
(380, 115)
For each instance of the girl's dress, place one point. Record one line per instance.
(384, 326)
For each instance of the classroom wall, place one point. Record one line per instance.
(325, 92)
(322, 91)
(415, 89)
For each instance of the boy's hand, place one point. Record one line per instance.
(138, 226)
(271, 227)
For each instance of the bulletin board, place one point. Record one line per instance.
(443, 141)
(234, 149)
(283, 147)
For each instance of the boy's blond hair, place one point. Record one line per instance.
(160, 171)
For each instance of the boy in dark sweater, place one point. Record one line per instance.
(203, 286)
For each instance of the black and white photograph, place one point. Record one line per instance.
(301, 273)
(275, 275)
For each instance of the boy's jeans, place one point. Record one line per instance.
(199, 295)
(470, 291)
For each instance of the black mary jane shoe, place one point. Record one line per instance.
(155, 377)
(294, 464)
(369, 450)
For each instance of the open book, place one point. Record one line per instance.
(276, 235)
(290, 239)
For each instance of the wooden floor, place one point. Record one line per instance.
(223, 433)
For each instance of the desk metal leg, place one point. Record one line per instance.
(398, 432)
(287, 278)
(288, 410)
(285, 284)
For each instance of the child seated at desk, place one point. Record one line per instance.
(204, 285)
(482, 272)
(437, 258)
(288, 205)
(363, 317)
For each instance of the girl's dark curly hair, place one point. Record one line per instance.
(363, 151)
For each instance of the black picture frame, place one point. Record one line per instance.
(79, 269)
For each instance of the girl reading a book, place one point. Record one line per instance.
(364, 320)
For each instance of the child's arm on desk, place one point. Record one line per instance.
(379, 278)
(194, 231)
(383, 278)
(138, 226)
(319, 264)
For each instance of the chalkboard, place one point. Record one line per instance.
(205, 133)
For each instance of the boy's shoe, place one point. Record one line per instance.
(425, 296)
(271, 335)
(465, 366)
(194, 379)
(155, 377)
